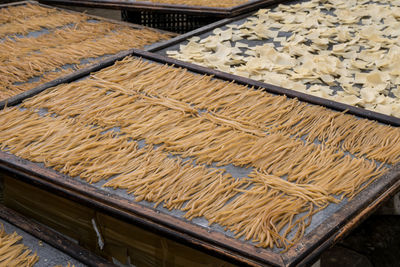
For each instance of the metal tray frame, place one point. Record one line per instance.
(304, 252)
(70, 77)
(160, 47)
(159, 7)
(52, 238)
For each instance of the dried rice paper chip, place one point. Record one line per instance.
(368, 95)
(348, 99)
(385, 109)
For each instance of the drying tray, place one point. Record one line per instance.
(66, 78)
(173, 44)
(154, 6)
(327, 227)
(170, 17)
(51, 247)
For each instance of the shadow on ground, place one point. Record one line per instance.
(375, 243)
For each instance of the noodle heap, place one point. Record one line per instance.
(69, 38)
(191, 123)
(23, 11)
(12, 252)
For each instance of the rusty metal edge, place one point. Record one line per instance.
(53, 238)
(213, 243)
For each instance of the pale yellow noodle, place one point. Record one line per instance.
(13, 252)
(71, 38)
(211, 122)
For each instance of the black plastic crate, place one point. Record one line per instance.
(174, 22)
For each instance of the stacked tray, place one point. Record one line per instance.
(41, 44)
(364, 178)
(176, 16)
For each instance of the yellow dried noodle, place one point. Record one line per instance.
(36, 23)
(32, 60)
(19, 47)
(262, 110)
(13, 252)
(274, 114)
(207, 137)
(149, 174)
(209, 121)
(22, 11)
